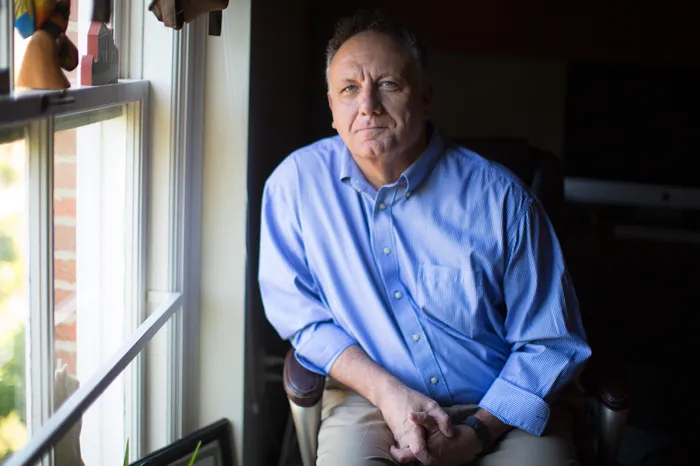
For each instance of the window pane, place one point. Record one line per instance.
(93, 242)
(90, 239)
(13, 295)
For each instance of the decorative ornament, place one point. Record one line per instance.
(49, 50)
(101, 64)
(175, 13)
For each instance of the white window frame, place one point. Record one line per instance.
(163, 293)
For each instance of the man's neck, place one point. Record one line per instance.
(383, 171)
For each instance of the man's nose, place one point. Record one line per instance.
(370, 101)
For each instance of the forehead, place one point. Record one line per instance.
(372, 52)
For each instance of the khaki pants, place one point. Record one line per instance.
(353, 433)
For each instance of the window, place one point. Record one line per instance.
(13, 291)
(92, 324)
(71, 263)
(94, 184)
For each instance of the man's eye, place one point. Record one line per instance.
(350, 88)
(389, 84)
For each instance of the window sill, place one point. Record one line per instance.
(26, 105)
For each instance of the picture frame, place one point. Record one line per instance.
(216, 448)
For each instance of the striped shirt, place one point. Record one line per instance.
(451, 278)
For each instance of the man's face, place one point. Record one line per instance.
(378, 99)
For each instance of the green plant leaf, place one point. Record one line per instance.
(194, 455)
(126, 454)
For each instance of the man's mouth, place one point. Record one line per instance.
(372, 128)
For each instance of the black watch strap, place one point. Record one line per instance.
(482, 432)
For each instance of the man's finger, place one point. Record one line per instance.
(422, 454)
(401, 456)
(419, 448)
(443, 421)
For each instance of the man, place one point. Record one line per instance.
(424, 280)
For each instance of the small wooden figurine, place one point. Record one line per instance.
(49, 49)
(101, 64)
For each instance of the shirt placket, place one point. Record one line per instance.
(399, 299)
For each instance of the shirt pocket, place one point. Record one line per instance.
(451, 296)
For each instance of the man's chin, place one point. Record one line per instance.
(373, 149)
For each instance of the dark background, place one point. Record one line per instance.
(524, 68)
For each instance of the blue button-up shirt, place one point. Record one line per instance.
(451, 278)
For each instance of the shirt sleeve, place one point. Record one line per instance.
(293, 304)
(543, 326)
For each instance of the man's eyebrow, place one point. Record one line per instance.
(349, 77)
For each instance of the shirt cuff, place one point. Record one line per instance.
(322, 347)
(516, 407)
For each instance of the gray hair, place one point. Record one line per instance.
(375, 20)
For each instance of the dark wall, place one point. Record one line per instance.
(280, 96)
(500, 66)
(641, 31)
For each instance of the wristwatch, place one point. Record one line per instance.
(482, 433)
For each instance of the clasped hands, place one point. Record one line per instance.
(423, 431)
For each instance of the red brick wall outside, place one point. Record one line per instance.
(65, 214)
(65, 174)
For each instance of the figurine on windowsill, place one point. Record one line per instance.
(49, 50)
(101, 64)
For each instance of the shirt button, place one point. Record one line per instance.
(382, 206)
(434, 380)
(416, 337)
(397, 295)
(387, 251)
(408, 194)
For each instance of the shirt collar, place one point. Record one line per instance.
(423, 166)
(414, 175)
(348, 167)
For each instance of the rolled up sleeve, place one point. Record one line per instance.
(293, 304)
(543, 326)
(318, 346)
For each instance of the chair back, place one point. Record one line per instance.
(540, 170)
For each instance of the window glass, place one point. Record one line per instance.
(14, 305)
(93, 240)
(90, 238)
(100, 435)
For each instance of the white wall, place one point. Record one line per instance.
(224, 222)
(498, 96)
